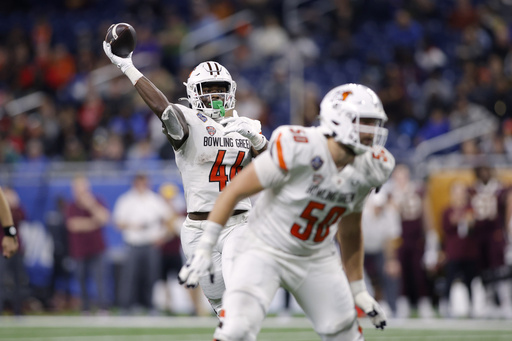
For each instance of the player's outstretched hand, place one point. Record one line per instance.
(122, 63)
(199, 265)
(371, 308)
(246, 127)
(368, 304)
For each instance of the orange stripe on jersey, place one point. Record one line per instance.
(280, 157)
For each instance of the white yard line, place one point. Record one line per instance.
(206, 322)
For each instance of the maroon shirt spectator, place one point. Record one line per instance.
(459, 240)
(85, 218)
(409, 197)
(83, 244)
(460, 243)
(488, 201)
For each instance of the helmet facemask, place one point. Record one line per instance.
(369, 132)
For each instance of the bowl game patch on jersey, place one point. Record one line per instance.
(211, 130)
(317, 162)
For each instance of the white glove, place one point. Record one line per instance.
(125, 64)
(368, 304)
(200, 264)
(122, 63)
(246, 127)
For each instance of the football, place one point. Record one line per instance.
(122, 39)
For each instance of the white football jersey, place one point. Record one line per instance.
(208, 160)
(305, 194)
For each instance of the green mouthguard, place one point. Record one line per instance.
(219, 105)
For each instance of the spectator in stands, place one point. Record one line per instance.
(270, 40)
(463, 15)
(86, 216)
(142, 216)
(429, 57)
(404, 33)
(62, 272)
(465, 113)
(74, 150)
(11, 261)
(435, 89)
(474, 45)
(459, 244)
(416, 226)
(489, 203)
(381, 230)
(170, 38)
(437, 124)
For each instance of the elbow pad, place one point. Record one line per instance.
(171, 120)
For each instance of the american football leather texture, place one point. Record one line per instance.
(122, 39)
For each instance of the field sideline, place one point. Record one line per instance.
(119, 328)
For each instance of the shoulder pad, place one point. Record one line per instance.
(285, 143)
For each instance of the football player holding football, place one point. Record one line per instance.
(314, 182)
(212, 145)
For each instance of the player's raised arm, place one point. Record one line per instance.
(174, 122)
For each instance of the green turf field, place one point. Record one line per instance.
(184, 329)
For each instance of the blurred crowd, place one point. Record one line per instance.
(437, 66)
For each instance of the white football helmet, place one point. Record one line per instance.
(342, 110)
(212, 104)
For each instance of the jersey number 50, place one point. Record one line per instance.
(322, 230)
(218, 172)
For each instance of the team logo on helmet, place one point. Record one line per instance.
(201, 117)
(211, 130)
(213, 68)
(317, 162)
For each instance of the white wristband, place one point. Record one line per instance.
(357, 286)
(210, 235)
(133, 74)
(261, 143)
